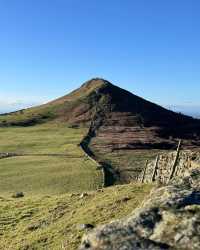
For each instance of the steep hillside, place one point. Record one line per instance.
(76, 107)
(119, 118)
(123, 129)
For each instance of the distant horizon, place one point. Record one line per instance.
(150, 48)
(12, 105)
(193, 111)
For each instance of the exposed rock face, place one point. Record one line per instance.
(169, 219)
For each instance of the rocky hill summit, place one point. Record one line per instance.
(118, 118)
(168, 219)
(122, 120)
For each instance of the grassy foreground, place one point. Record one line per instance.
(53, 222)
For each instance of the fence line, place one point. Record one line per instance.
(166, 166)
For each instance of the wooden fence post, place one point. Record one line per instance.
(155, 169)
(175, 161)
(144, 172)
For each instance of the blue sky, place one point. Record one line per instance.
(151, 48)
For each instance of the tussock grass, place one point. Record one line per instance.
(51, 222)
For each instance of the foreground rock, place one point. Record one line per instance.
(169, 219)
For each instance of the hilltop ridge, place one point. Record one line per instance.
(118, 122)
(113, 111)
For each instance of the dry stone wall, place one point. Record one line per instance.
(169, 165)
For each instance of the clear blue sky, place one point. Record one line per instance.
(150, 47)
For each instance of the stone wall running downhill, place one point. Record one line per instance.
(169, 165)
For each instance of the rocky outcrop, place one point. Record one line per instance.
(168, 219)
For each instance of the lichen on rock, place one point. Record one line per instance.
(168, 219)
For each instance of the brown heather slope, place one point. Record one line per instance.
(125, 121)
(76, 108)
(120, 123)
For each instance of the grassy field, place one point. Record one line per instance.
(46, 138)
(47, 175)
(42, 171)
(53, 222)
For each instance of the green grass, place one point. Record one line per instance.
(46, 138)
(30, 116)
(51, 222)
(50, 165)
(46, 174)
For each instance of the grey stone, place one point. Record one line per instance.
(85, 226)
(168, 219)
(83, 195)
